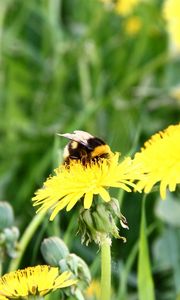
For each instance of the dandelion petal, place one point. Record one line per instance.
(88, 198)
(104, 194)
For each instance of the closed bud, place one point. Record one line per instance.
(12, 234)
(114, 206)
(53, 250)
(79, 268)
(8, 242)
(87, 218)
(63, 265)
(6, 215)
(105, 222)
(99, 222)
(102, 219)
(86, 227)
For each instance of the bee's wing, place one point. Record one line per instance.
(79, 136)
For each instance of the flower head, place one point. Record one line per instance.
(171, 12)
(70, 184)
(133, 25)
(171, 9)
(124, 7)
(159, 160)
(38, 280)
(93, 289)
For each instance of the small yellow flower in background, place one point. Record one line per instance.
(132, 25)
(171, 13)
(171, 10)
(159, 160)
(32, 281)
(69, 185)
(93, 290)
(124, 7)
(175, 93)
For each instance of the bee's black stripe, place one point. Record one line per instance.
(94, 142)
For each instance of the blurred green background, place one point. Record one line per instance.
(78, 64)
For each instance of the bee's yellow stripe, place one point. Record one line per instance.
(99, 150)
(74, 144)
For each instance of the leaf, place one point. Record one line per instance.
(145, 281)
(169, 211)
(167, 254)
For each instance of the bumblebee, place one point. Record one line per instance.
(84, 147)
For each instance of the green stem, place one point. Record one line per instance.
(105, 270)
(29, 232)
(0, 268)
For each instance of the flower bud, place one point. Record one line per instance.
(99, 222)
(77, 266)
(80, 271)
(86, 226)
(114, 206)
(6, 215)
(115, 209)
(93, 290)
(53, 250)
(87, 218)
(105, 222)
(8, 242)
(101, 219)
(12, 235)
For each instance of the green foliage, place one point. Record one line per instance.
(67, 65)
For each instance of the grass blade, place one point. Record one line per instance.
(145, 281)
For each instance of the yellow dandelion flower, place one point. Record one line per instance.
(69, 185)
(171, 9)
(32, 281)
(93, 289)
(175, 32)
(124, 7)
(3, 298)
(133, 25)
(171, 13)
(159, 160)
